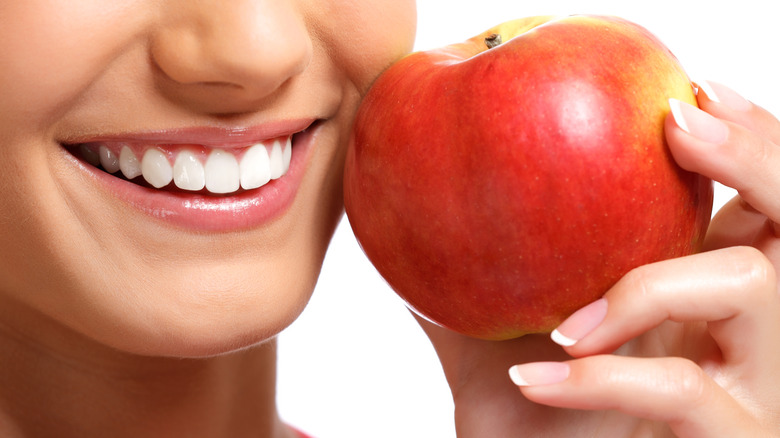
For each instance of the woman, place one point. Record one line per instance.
(172, 176)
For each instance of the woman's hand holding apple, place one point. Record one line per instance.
(685, 347)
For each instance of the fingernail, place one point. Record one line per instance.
(721, 94)
(698, 123)
(580, 323)
(539, 373)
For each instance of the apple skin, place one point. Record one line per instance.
(499, 190)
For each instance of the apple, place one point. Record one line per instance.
(502, 183)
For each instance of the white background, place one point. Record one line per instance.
(356, 364)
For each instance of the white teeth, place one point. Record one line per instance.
(255, 167)
(277, 160)
(128, 163)
(156, 169)
(281, 154)
(222, 172)
(188, 173)
(109, 160)
(90, 155)
(287, 154)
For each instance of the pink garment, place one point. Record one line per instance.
(301, 434)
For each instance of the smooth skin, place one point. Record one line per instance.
(113, 323)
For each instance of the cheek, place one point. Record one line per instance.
(370, 36)
(52, 50)
(28, 229)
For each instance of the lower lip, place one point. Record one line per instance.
(197, 212)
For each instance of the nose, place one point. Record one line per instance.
(226, 57)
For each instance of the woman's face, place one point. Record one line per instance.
(211, 101)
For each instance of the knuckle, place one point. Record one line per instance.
(755, 159)
(641, 282)
(687, 384)
(752, 149)
(755, 271)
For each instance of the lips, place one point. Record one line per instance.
(201, 179)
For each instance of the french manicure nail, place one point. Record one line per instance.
(580, 323)
(721, 94)
(698, 123)
(539, 373)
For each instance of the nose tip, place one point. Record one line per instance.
(223, 59)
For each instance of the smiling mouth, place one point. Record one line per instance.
(191, 168)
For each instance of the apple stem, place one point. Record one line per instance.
(493, 40)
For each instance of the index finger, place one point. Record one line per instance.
(729, 153)
(726, 104)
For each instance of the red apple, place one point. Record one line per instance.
(499, 189)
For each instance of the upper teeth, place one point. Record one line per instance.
(222, 172)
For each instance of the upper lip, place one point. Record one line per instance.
(209, 136)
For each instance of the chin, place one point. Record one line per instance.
(197, 312)
(201, 333)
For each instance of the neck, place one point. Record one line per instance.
(47, 393)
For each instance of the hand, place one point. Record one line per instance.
(714, 318)
(687, 347)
